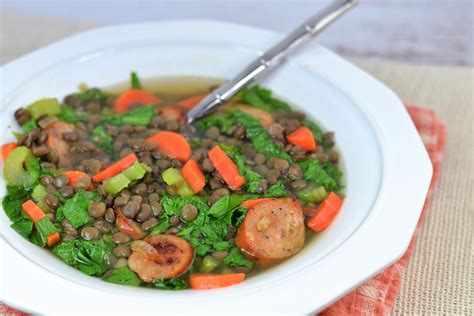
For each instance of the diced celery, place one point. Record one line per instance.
(172, 176)
(184, 190)
(44, 106)
(312, 194)
(134, 172)
(208, 264)
(21, 167)
(116, 184)
(39, 192)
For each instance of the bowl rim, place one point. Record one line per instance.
(387, 209)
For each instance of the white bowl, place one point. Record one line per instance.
(387, 170)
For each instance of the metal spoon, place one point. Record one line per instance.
(272, 58)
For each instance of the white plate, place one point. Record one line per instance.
(387, 170)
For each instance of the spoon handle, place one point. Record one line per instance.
(272, 58)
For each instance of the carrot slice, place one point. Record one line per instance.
(128, 226)
(171, 113)
(33, 211)
(7, 148)
(132, 97)
(251, 203)
(226, 168)
(172, 144)
(302, 137)
(53, 239)
(264, 117)
(191, 102)
(214, 281)
(326, 213)
(193, 175)
(115, 168)
(74, 176)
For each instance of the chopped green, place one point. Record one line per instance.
(23, 226)
(171, 284)
(123, 276)
(103, 140)
(89, 257)
(135, 81)
(21, 167)
(45, 227)
(75, 209)
(69, 115)
(29, 126)
(92, 94)
(262, 98)
(13, 200)
(138, 116)
(332, 170)
(236, 259)
(314, 172)
(226, 204)
(208, 264)
(116, 184)
(45, 106)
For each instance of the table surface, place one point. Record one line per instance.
(440, 275)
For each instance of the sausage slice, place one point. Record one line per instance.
(272, 231)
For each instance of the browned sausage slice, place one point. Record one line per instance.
(166, 256)
(272, 231)
(56, 142)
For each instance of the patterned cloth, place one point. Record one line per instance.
(376, 297)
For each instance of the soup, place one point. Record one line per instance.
(116, 183)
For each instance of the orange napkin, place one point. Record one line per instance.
(376, 297)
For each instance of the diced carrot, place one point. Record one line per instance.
(226, 168)
(171, 113)
(326, 213)
(115, 168)
(172, 144)
(53, 239)
(302, 137)
(128, 226)
(33, 211)
(191, 102)
(132, 97)
(74, 176)
(7, 148)
(214, 281)
(251, 203)
(264, 117)
(193, 175)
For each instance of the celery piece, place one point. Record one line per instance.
(134, 172)
(208, 264)
(312, 194)
(172, 176)
(45, 106)
(21, 168)
(184, 190)
(39, 192)
(116, 184)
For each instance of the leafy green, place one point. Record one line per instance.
(315, 129)
(262, 98)
(23, 226)
(13, 200)
(171, 284)
(139, 116)
(123, 276)
(235, 217)
(69, 115)
(314, 172)
(236, 259)
(89, 257)
(44, 227)
(277, 190)
(75, 209)
(92, 94)
(135, 81)
(332, 170)
(207, 237)
(29, 126)
(226, 204)
(103, 140)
